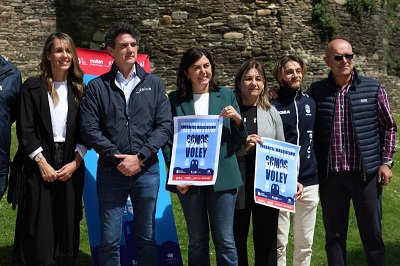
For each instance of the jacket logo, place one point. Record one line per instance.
(307, 109)
(284, 112)
(364, 100)
(143, 89)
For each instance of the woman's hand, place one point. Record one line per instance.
(183, 189)
(47, 171)
(67, 170)
(251, 141)
(230, 112)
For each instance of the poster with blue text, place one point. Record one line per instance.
(195, 151)
(275, 181)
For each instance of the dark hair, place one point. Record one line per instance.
(122, 27)
(75, 73)
(263, 101)
(280, 64)
(190, 57)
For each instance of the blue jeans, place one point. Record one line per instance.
(113, 189)
(218, 208)
(3, 184)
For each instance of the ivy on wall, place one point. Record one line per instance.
(326, 23)
(393, 30)
(361, 8)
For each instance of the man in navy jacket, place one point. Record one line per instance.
(297, 111)
(354, 142)
(10, 85)
(126, 117)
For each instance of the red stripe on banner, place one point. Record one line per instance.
(270, 202)
(95, 62)
(193, 177)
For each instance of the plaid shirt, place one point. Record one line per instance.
(344, 154)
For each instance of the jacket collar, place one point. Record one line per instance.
(355, 80)
(140, 72)
(39, 93)
(286, 96)
(72, 106)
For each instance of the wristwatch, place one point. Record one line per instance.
(38, 157)
(389, 164)
(141, 156)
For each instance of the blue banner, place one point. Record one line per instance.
(276, 173)
(195, 151)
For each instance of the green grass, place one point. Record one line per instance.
(391, 230)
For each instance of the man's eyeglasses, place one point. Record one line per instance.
(339, 57)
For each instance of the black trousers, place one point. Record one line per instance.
(336, 192)
(265, 229)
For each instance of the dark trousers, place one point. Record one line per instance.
(265, 226)
(336, 192)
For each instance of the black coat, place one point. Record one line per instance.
(48, 218)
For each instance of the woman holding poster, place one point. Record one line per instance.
(262, 120)
(213, 205)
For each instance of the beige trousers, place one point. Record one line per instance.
(303, 228)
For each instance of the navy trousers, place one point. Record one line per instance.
(336, 192)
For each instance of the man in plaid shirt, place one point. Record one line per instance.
(354, 141)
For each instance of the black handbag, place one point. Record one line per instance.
(16, 182)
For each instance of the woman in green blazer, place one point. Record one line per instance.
(209, 206)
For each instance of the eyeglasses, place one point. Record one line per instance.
(339, 57)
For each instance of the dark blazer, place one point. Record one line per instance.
(228, 176)
(34, 125)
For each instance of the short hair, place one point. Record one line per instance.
(280, 64)
(122, 27)
(263, 101)
(190, 57)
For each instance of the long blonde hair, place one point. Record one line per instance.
(75, 73)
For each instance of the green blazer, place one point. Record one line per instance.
(232, 138)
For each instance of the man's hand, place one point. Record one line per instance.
(272, 93)
(129, 165)
(299, 194)
(384, 175)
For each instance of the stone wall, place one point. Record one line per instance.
(24, 26)
(232, 31)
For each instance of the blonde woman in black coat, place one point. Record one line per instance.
(47, 227)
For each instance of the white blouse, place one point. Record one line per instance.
(59, 115)
(201, 102)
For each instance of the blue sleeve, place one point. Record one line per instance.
(162, 129)
(90, 125)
